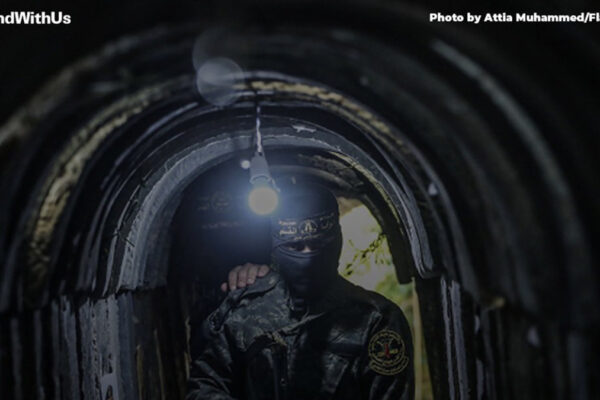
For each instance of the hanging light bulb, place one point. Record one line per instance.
(264, 197)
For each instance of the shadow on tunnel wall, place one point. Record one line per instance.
(477, 144)
(213, 231)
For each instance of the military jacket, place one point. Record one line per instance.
(351, 344)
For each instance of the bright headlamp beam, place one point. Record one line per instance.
(264, 197)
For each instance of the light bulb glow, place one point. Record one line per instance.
(263, 200)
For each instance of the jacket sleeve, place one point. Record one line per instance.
(212, 373)
(386, 365)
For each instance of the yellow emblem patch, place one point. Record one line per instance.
(308, 227)
(387, 353)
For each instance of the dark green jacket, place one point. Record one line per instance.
(352, 344)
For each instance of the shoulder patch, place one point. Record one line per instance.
(387, 353)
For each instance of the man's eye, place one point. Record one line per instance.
(295, 246)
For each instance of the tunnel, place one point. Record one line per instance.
(476, 152)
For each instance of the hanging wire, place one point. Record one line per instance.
(259, 147)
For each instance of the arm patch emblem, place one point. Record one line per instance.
(387, 353)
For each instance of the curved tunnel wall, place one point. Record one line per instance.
(473, 156)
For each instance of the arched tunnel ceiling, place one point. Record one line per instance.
(416, 124)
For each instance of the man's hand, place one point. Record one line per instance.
(243, 275)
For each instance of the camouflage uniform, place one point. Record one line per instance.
(350, 344)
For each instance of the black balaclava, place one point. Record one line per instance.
(308, 213)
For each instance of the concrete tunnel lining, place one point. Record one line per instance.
(154, 212)
(429, 84)
(491, 228)
(415, 229)
(180, 167)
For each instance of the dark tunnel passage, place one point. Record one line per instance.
(480, 173)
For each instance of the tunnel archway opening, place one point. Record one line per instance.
(324, 164)
(213, 217)
(321, 155)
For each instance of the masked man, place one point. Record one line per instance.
(302, 331)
